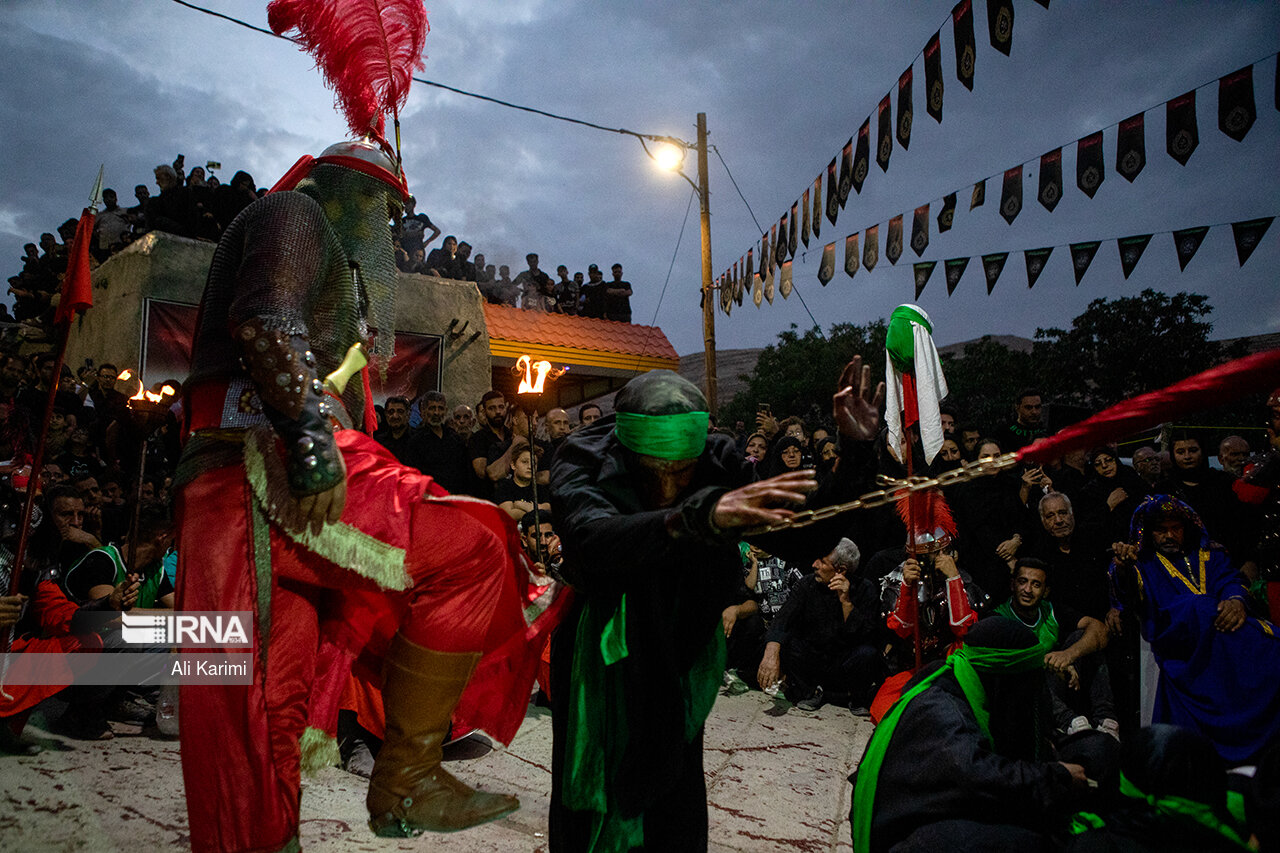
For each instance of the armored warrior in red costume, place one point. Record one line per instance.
(287, 510)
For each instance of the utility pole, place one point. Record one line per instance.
(708, 303)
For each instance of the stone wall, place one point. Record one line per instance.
(162, 266)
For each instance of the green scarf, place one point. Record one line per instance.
(1046, 629)
(1176, 809)
(679, 436)
(964, 664)
(597, 729)
(900, 339)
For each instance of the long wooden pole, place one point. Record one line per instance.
(708, 305)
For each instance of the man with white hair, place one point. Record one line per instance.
(1233, 451)
(826, 638)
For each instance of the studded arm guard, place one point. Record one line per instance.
(283, 370)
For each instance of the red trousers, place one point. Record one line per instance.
(240, 744)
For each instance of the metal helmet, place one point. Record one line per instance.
(362, 155)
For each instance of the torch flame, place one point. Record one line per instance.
(167, 392)
(529, 384)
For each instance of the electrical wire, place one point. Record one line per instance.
(653, 324)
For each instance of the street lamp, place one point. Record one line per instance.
(669, 154)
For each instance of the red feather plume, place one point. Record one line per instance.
(367, 51)
(924, 512)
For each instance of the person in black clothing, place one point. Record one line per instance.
(617, 297)
(646, 490)
(1112, 494)
(593, 294)
(443, 262)
(1210, 493)
(437, 451)
(490, 447)
(1028, 421)
(397, 436)
(827, 639)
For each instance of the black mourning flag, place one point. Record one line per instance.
(851, 254)
(933, 87)
(992, 266)
(871, 248)
(1000, 24)
(1181, 134)
(791, 234)
(1081, 256)
(1044, 3)
(751, 263)
(1187, 242)
(833, 193)
(966, 47)
(893, 240)
(827, 266)
(766, 249)
(954, 269)
(905, 112)
(1050, 179)
(1090, 173)
(1131, 147)
(817, 205)
(884, 139)
(1131, 249)
(920, 230)
(739, 288)
(846, 171)
(862, 156)
(979, 196)
(947, 215)
(783, 246)
(776, 249)
(1236, 110)
(785, 278)
(1248, 234)
(922, 271)
(804, 218)
(1036, 259)
(1011, 194)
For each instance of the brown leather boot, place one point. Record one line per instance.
(409, 792)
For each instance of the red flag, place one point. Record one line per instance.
(77, 290)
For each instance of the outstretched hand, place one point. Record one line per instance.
(855, 406)
(764, 502)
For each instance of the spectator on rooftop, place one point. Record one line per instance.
(110, 227)
(566, 291)
(443, 262)
(593, 294)
(617, 303)
(537, 290)
(466, 269)
(171, 210)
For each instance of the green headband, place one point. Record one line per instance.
(681, 436)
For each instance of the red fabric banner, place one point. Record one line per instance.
(77, 290)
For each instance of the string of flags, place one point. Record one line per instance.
(1186, 242)
(1237, 112)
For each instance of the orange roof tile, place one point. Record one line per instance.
(580, 333)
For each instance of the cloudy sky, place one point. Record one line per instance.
(131, 83)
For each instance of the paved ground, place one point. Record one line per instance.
(776, 781)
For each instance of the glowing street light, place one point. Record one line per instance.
(668, 156)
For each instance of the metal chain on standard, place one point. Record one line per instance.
(895, 490)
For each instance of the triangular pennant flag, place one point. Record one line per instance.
(871, 248)
(922, 271)
(792, 245)
(1011, 194)
(1187, 242)
(893, 240)
(1131, 249)
(966, 47)
(1081, 256)
(954, 269)
(904, 109)
(992, 266)
(833, 194)
(77, 287)
(1236, 110)
(827, 266)
(780, 236)
(784, 281)
(725, 297)
(1036, 259)
(884, 139)
(920, 230)
(851, 254)
(757, 290)
(766, 249)
(1181, 131)
(768, 286)
(846, 171)
(1000, 24)
(947, 215)
(1090, 173)
(739, 289)
(804, 219)
(1248, 234)
(933, 87)
(979, 196)
(862, 156)
(1050, 179)
(1044, 3)
(751, 263)
(1131, 147)
(817, 205)
(728, 304)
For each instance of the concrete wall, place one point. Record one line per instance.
(162, 266)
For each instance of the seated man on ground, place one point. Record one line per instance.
(827, 638)
(1079, 685)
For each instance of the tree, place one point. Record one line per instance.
(983, 380)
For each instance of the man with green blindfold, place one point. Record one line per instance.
(651, 509)
(957, 763)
